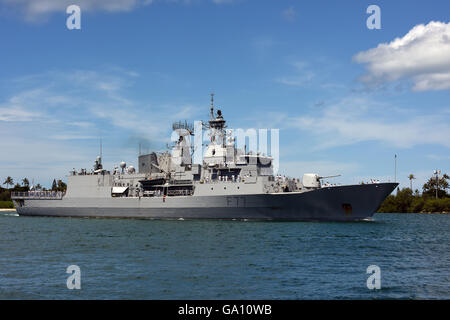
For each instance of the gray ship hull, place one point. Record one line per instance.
(342, 203)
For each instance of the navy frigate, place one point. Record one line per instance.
(230, 183)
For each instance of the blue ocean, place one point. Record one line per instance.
(150, 259)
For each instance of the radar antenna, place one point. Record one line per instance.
(212, 106)
(183, 125)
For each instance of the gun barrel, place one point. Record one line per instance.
(326, 177)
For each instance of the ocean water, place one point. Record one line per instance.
(149, 259)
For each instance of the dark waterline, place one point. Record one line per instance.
(145, 259)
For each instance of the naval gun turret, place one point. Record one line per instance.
(312, 180)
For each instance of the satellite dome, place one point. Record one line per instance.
(131, 169)
(123, 164)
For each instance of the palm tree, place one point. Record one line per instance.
(411, 177)
(9, 181)
(25, 182)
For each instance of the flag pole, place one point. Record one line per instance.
(395, 165)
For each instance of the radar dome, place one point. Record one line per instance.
(123, 164)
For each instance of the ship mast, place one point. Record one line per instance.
(216, 125)
(212, 106)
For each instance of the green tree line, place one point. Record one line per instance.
(407, 201)
(11, 186)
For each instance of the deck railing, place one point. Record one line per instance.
(45, 195)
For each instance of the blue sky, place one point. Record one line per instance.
(345, 98)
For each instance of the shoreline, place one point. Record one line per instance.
(444, 212)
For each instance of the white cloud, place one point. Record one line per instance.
(301, 77)
(152, 125)
(78, 98)
(67, 112)
(356, 119)
(296, 81)
(16, 114)
(421, 56)
(34, 10)
(315, 73)
(82, 124)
